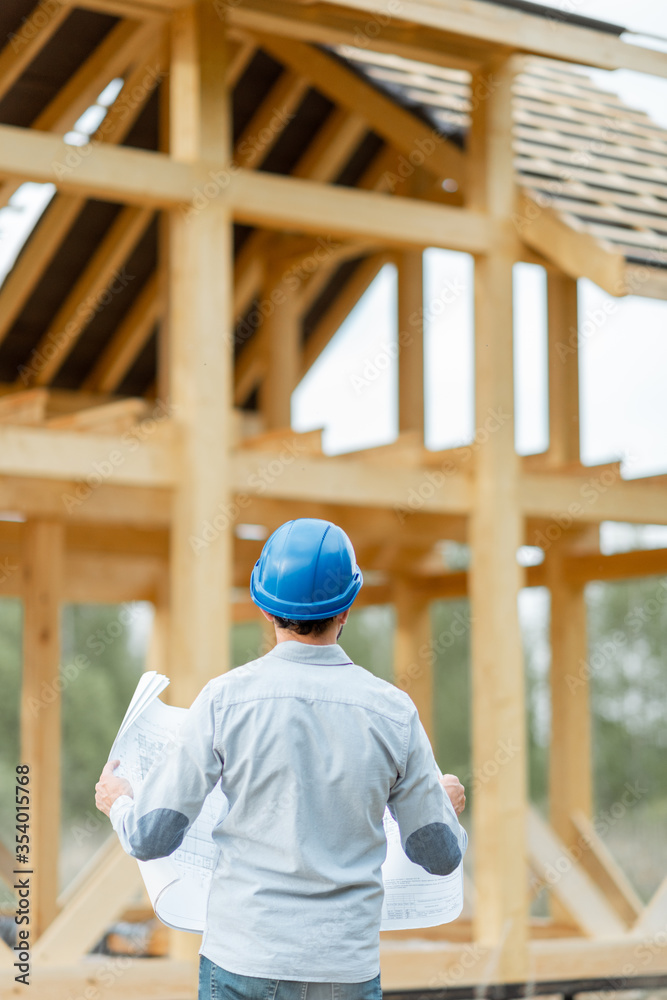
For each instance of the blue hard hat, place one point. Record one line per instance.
(307, 570)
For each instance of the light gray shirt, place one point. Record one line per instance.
(309, 749)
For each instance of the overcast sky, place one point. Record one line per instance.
(351, 391)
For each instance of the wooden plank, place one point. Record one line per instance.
(100, 277)
(28, 408)
(605, 871)
(112, 880)
(405, 131)
(563, 360)
(126, 344)
(43, 546)
(411, 342)
(24, 45)
(569, 883)
(332, 146)
(109, 418)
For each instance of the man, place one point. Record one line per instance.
(309, 749)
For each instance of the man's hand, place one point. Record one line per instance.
(109, 788)
(456, 792)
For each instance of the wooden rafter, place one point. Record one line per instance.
(122, 46)
(15, 58)
(397, 126)
(128, 341)
(62, 212)
(79, 307)
(266, 125)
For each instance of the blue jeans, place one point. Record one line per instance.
(218, 984)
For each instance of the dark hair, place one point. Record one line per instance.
(315, 627)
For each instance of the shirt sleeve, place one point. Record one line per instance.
(154, 822)
(431, 834)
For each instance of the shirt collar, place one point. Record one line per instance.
(302, 652)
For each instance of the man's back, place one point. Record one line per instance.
(309, 749)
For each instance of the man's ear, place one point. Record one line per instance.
(344, 616)
(266, 614)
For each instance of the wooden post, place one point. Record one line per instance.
(283, 346)
(410, 342)
(499, 737)
(570, 780)
(42, 567)
(200, 353)
(413, 667)
(563, 369)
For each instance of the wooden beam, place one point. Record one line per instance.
(495, 579)
(201, 275)
(411, 342)
(563, 352)
(569, 883)
(568, 498)
(109, 418)
(653, 918)
(339, 310)
(513, 30)
(25, 45)
(600, 864)
(111, 881)
(60, 215)
(413, 666)
(142, 459)
(99, 278)
(51, 229)
(127, 343)
(342, 26)
(108, 503)
(300, 205)
(124, 43)
(332, 146)
(570, 760)
(43, 545)
(405, 131)
(269, 121)
(577, 254)
(281, 333)
(619, 566)
(27, 408)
